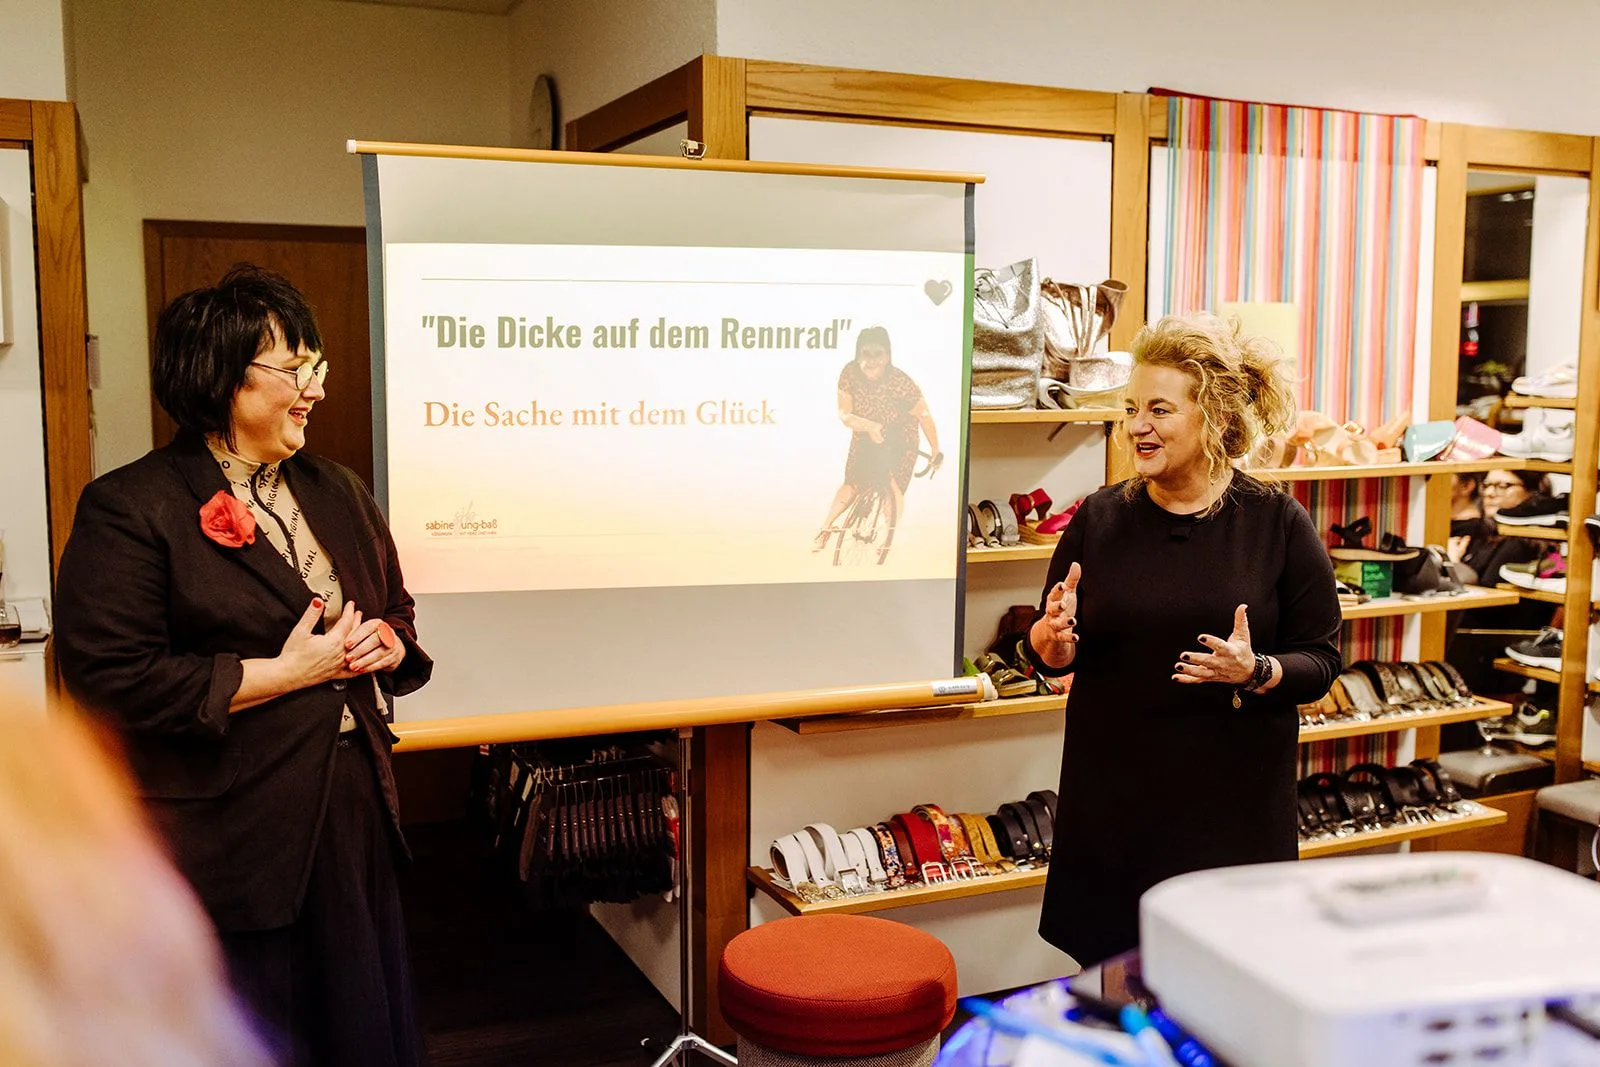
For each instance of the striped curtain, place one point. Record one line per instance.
(1322, 210)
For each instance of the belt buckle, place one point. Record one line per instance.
(934, 873)
(966, 867)
(851, 882)
(809, 892)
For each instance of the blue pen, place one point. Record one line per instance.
(1082, 1041)
(1189, 1052)
(1148, 1038)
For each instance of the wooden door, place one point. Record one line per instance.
(326, 263)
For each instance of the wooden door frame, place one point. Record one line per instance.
(48, 131)
(156, 230)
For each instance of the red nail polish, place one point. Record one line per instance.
(316, 602)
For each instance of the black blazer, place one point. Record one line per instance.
(152, 620)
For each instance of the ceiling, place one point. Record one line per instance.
(477, 7)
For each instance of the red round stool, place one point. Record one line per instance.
(849, 989)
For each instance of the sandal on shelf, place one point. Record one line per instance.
(1006, 678)
(1058, 522)
(1389, 434)
(1036, 503)
(1352, 543)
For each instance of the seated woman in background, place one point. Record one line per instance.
(1474, 542)
(105, 955)
(1479, 636)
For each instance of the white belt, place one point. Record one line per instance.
(869, 847)
(789, 860)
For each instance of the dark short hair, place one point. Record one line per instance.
(207, 338)
(874, 335)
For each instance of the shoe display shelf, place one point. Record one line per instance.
(1542, 674)
(1516, 400)
(1540, 533)
(1031, 415)
(1392, 470)
(1533, 594)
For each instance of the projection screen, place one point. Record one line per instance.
(615, 407)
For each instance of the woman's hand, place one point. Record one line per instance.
(1054, 635)
(1231, 661)
(1456, 547)
(312, 658)
(874, 430)
(373, 646)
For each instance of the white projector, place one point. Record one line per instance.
(1443, 958)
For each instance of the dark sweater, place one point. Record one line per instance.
(1159, 778)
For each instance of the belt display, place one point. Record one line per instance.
(926, 845)
(1376, 689)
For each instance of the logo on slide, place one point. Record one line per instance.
(937, 290)
(466, 523)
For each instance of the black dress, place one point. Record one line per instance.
(889, 402)
(1158, 777)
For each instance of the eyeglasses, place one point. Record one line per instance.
(1500, 487)
(303, 374)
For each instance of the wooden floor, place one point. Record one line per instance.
(499, 985)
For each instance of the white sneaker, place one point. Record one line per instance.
(1546, 434)
(1559, 382)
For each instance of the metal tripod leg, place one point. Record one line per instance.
(687, 1043)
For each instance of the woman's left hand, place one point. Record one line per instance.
(373, 646)
(1230, 661)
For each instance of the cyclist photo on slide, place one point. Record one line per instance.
(885, 412)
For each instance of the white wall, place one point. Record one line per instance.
(33, 63)
(597, 50)
(1478, 61)
(239, 112)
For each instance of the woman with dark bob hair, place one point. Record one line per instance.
(234, 606)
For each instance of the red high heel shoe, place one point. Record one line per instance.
(1037, 502)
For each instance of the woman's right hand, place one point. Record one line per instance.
(310, 658)
(1054, 635)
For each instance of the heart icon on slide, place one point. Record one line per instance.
(936, 290)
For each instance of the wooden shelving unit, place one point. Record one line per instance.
(1543, 674)
(873, 720)
(1547, 466)
(989, 709)
(1389, 470)
(1533, 594)
(955, 889)
(1484, 709)
(1027, 415)
(1498, 291)
(1538, 533)
(1011, 554)
(1474, 597)
(1479, 817)
(1516, 400)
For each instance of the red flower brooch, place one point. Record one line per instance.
(227, 521)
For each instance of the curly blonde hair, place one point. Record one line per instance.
(1240, 383)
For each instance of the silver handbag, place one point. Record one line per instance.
(1076, 319)
(1007, 337)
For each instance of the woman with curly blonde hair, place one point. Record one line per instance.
(105, 956)
(1196, 608)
